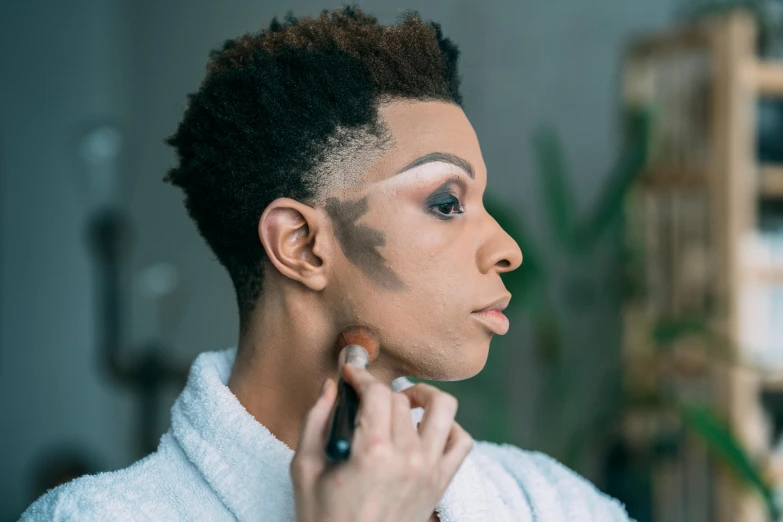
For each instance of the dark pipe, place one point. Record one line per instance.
(145, 372)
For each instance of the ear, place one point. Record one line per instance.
(293, 236)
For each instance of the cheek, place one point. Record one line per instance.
(433, 259)
(427, 328)
(417, 244)
(438, 283)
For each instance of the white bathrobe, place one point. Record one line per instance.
(218, 463)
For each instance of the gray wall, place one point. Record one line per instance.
(524, 64)
(60, 70)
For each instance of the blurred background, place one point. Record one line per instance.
(634, 150)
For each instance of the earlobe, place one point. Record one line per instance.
(291, 234)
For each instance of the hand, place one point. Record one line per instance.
(394, 473)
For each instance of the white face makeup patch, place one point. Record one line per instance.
(422, 173)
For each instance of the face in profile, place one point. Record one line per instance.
(418, 253)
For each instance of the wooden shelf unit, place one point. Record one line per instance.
(688, 214)
(771, 178)
(767, 77)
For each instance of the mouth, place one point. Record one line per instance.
(492, 316)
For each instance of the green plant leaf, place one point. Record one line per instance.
(628, 166)
(667, 331)
(719, 439)
(555, 187)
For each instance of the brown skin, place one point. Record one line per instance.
(377, 255)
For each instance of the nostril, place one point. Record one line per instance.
(504, 263)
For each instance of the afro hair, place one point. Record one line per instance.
(275, 106)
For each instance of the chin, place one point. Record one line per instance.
(468, 367)
(472, 370)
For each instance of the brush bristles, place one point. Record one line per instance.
(364, 336)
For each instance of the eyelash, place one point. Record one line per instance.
(450, 200)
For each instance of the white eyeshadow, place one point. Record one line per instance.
(421, 173)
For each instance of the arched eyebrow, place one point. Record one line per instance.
(441, 156)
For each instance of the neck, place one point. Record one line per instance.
(284, 356)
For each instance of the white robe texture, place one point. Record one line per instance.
(217, 463)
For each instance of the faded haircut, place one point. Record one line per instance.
(291, 110)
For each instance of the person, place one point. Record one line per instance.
(328, 163)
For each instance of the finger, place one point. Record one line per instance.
(403, 430)
(439, 410)
(312, 436)
(373, 420)
(458, 446)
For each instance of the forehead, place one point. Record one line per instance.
(421, 128)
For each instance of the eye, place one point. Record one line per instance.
(446, 208)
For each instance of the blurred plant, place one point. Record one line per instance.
(540, 290)
(721, 442)
(702, 420)
(535, 293)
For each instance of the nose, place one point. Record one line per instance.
(499, 251)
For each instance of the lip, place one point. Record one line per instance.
(496, 305)
(492, 316)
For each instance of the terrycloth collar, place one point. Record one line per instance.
(248, 467)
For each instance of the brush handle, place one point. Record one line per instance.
(338, 444)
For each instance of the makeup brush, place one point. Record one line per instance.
(358, 345)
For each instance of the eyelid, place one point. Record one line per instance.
(447, 189)
(449, 183)
(440, 198)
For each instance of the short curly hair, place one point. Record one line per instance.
(278, 107)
